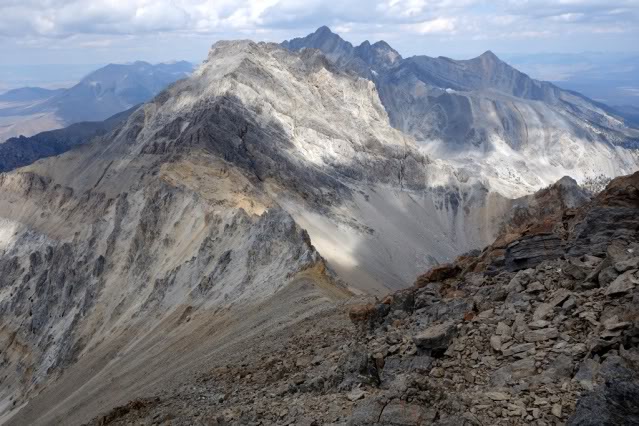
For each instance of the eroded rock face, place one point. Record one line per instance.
(542, 345)
(60, 293)
(614, 400)
(438, 273)
(601, 227)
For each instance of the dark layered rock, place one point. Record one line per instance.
(570, 226)
(530, 251)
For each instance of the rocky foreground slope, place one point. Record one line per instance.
(552, 341)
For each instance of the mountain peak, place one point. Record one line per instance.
(489, 55)
(323, 30)
(381, 44)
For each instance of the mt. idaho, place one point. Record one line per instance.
(251, 201)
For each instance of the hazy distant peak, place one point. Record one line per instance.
(489, 55)
(142, 63)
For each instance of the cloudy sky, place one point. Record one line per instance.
(99, 31)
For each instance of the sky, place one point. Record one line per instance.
(68, 32)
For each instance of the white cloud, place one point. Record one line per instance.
(434, 26)
(32, 29)
(62, 18)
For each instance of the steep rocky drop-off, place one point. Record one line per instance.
(252, 195)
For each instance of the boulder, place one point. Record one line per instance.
(436, 339)
(399, 413)
(607, 275)
(626, 265)
(403, 300)
(516, 349)
(542, 311)
(367, 412)
(576, 270)
(541, 335)
(513, 372)
(623, 284)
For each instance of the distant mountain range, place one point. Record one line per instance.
(21, 151)
(99, 95)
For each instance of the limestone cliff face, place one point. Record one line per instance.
(78, 269)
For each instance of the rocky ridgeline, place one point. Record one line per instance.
(533, 347)
(556, 342)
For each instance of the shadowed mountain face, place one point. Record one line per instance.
(101, 94)
(486, 72)
(517, 133)
(630, 114)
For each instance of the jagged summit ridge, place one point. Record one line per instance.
(362, 59)
(482, 115)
